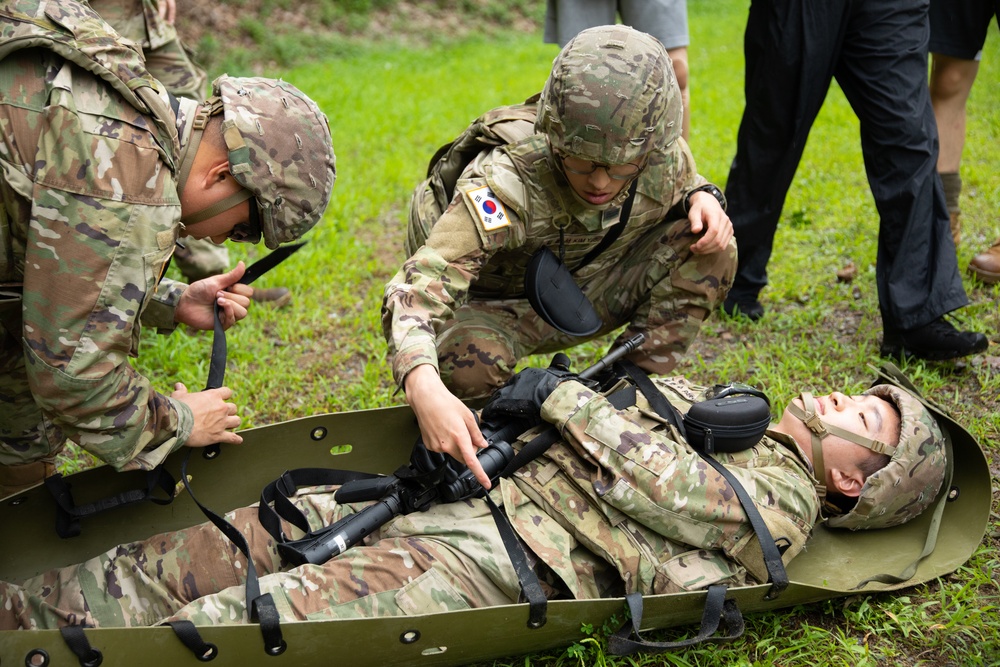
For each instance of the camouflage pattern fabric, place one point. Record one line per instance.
(458, 301)
(621, 504)
(166, 57)
(910, 482)
(90, 215)
(611, 97)
(169, 62)
(200, 258)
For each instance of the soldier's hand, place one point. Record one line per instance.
(708, 219)
(213, 416)
(446, 424)
(196, 305)
(168, 10)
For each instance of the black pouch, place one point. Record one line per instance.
(557, 298)
(734, 419)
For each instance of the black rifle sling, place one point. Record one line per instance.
(614, 232)
(772, 556)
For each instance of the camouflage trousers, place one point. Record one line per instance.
(448, 558)
(658, 287)
(200, 258)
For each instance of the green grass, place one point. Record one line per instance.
(390, 107)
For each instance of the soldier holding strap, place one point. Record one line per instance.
(102, 171)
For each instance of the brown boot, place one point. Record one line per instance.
(276, 297)
(956, 227)
(986, 265)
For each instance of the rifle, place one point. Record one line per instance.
(426, 481)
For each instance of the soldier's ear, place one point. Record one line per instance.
(217, 172)
(847, 483)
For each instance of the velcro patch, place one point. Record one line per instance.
(490, 210)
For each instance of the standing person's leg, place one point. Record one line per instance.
(666, 20)
(791, 47)
(565, 18)
(883, 74)
(958, 32)
(950, 84)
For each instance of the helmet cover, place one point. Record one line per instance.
(909, 483)
(611, 97)
(280, 149)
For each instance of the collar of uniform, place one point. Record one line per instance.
(789, 443)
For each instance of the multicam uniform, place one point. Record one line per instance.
(621, 504)
(169, 63)
(458, 301)
(166, 58)
(88, 222)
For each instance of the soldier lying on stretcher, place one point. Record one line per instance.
(620, 503)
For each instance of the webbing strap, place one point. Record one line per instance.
(190, 637)
(260, 607)
(772, 556)
(68, 513)
(280, 492)
(718, 610)
(76, 640)
(530, 586)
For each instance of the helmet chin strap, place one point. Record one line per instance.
(205, 111)
(820, 429)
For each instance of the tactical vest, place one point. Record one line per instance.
(75, 32)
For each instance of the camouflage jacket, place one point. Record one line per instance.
(625, 487)
(137, 20)
(467, 254)
(90, 216)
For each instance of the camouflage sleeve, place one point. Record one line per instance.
(433, 282)
(103, 223)
(666, 486)
(686, 287)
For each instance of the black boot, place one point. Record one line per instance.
(935, 341)
(748, 307)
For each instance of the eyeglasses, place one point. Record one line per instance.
(249, 231)
(619, 172)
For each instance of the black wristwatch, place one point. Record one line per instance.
(710, 189)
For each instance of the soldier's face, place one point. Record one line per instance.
(219, 227)
(867, 415)
(595, 188)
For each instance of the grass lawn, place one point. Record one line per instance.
(390, 107)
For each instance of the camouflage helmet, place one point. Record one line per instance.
(280, 150)
(612, 97)
(909, 483)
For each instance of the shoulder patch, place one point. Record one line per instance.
(489, 210)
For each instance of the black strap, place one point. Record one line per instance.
(530, 586)
(260, 607)
(189, 636)
(78, 643)
(772, 555)
(276, 504)
(613, 233)
(718, 610)
(68, 513)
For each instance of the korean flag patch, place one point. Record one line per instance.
(491, 212)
